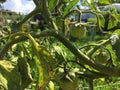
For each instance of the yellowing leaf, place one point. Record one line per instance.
(9, 76)
(46, 66)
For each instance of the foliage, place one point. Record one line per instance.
(10, 77)
(46, 59)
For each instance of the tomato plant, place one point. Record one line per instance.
(47, 60)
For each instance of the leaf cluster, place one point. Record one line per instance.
(41, 55)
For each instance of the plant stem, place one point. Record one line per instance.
(83, 59)
(90, 84)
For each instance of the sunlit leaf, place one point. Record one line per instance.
(3, 83)
(46, 66)
(104, 1)
(101, 20)
(10, 77)
(112, 23)
(66, 0)
(117, 31)
(70, 5)
(59, 54)
(112, 53)
(52, 4)
(91, 1)
(113, 16)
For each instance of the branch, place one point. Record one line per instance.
(9, 44)
(35, 11)
(91, 51)
(89, 76)
(83, 59)
(36, 2)
(114, 28)
(92, 75)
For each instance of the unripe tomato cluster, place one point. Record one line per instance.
(68, 84)
(77, 31)
(101, 58)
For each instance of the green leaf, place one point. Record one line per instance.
(66, 0)
(112, 23)
(52, 4)
(40, 74)
(104, 1)
(24, 70)
(114, 57)
(3, 83)
(69, 6)
(9, 76)
(91, 1)
(117, 31)
(101, 20)
(45, 65)
(59, 54)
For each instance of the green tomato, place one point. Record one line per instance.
(77, 31)
(101, 58)
(67, 84)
